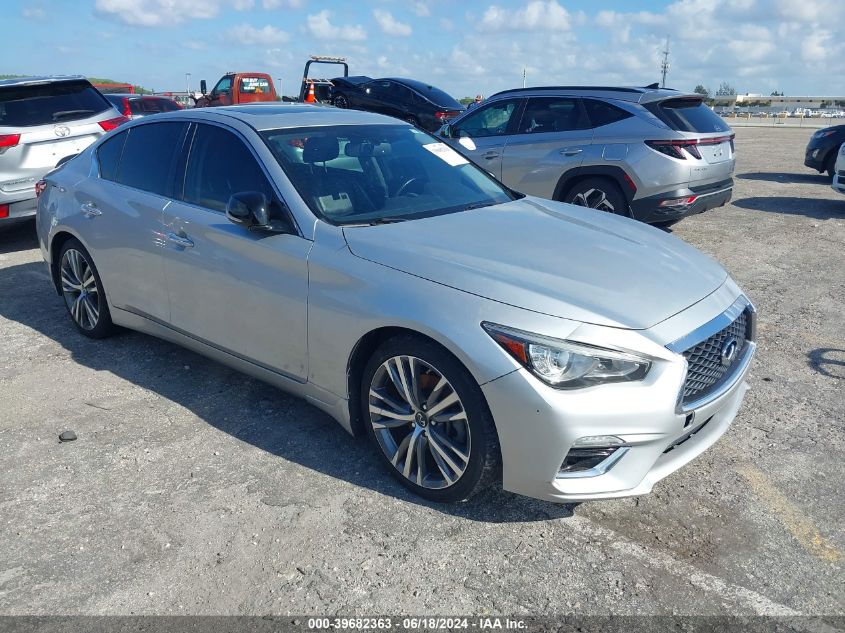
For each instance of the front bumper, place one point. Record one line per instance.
(649, 209)
(539, 425)
(838, 184)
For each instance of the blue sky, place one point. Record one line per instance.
(463, 47)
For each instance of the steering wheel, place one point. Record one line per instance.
(402, 191)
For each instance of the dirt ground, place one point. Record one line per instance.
(193, 489)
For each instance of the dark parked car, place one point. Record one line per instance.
(418, 103)
(134, 105)
(823, 147)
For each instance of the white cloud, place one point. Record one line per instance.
(278, 4)
(155, 12)
(35, 13)
(390, 25)
(421, 9)
(536, 15)
(266, 36)
(242, 5)
(318, 25)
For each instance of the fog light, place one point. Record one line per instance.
(598, 440)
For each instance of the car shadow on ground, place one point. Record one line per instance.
(238, 405)
(786, 177)
(19, 237)
(828, 361)
(817, 208)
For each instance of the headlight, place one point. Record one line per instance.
(823, 133)
(566, 364)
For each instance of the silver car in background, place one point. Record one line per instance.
(44, 120)
(476, 335)
(653, 154)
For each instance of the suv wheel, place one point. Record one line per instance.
(830, 164)
(341, 102)
(600, 194)
(428, 418)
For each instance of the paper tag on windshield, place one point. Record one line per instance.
(446, 154)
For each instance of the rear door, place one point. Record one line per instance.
(40, 124)
(694, 120)
(244, 292)
(483, 134)
(124, 207)
(552, 137)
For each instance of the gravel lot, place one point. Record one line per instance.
(193, 489)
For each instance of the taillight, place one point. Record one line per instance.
(9, 140)
(444, 115)
(4, 210)
(40, 186)
(126, 111)
(110, 124)
(674, 148)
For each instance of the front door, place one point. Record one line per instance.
(483, 134)
(244, 292)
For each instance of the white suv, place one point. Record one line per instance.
(44, 121)
(839, 171)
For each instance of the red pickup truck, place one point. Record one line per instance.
(235, 88)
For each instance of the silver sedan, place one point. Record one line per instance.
(476, 335)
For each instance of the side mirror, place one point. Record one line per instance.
(203, 86)
(252, 210)
(446, 131)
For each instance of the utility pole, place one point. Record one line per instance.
(188, 83)
(664, 65)
(523, 76)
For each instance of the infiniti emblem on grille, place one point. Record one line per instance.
(61, 130)
(728, 351)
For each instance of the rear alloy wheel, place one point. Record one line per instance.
(599, 194)
(429, 420)
(83, 291)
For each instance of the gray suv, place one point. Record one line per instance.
(44, 121)
(653, 154)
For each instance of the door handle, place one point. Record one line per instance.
(180, 240)
(491, 155)
(571, 151)
(90, 210)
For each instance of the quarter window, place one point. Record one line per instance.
(108, 156)
(491, 120)
(602, 113)
(148, 156)
(220, 165)
(552, 114)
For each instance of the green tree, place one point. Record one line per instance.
(725, 90)
(701, 90)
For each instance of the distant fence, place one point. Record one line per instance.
(736, 119)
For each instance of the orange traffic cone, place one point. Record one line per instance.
(310, 98)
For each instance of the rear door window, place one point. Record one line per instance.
(42, 104)
(220, 165)
(602, 113)
(552, 114)
(151, 106)
(148, 156)
(687, 115)
(108, 155)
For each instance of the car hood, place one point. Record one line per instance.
(549, 257)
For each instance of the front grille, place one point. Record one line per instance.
(705, 370)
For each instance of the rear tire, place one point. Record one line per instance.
(429, 421)
(83, 292)
(601, 194)
(830, 164)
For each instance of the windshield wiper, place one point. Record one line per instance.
(64, 113)
(478, 205)
(386, 220)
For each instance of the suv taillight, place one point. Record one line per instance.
(40, 186)
(110, 124)
(9, 140)
(441, 116)
(126, 111)
(673, 148)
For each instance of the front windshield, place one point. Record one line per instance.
(357, 174)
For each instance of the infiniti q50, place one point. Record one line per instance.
(476, 335)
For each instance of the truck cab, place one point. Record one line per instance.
(235, 88)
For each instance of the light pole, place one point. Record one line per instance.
(188, 83)
(279, 87)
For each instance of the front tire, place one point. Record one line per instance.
(600, 194)
(340, 101)
(429, 420)
(83, 292)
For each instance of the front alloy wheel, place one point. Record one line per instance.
(419, 422)
(429, 419)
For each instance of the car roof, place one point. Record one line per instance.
(39, 79)
(634, 94)
(134, 95)
(280, 115)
